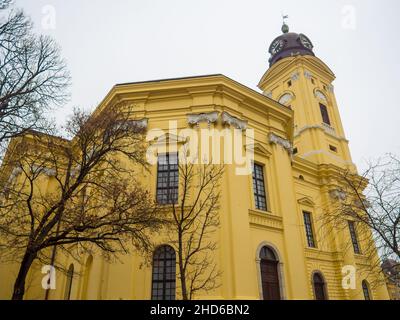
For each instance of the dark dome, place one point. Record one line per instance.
(289, 44)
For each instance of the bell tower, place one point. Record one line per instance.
(300, 80)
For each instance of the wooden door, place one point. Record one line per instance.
(270, 280)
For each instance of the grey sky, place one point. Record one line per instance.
(109, 42)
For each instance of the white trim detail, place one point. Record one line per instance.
(196, 118)
(227, 119)
(320, 95)
(273, 138)
(307, 74)
(268, 94)
(295, 76)
(143, 123)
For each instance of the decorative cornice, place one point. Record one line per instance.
(197, 118)
(227, 119)
(273, 138)
(305, 201)
(258, 148)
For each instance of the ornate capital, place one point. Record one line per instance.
(233, 121)
(268, 94)
(196, 118)
(337, 194)
(273, 138)
(307, 74)
(295, 76)
(143, 123)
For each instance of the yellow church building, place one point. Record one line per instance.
(269, 247)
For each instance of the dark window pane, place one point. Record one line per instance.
(259, 187)
(309, 229)
(353, 236)
(167, 178)
(319, 287)
(164, 274)
(365, 288)
(324, 114)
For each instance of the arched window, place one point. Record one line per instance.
(319, 287)
(365, 287)
(70, 278)
(164, 276)
(269, 274)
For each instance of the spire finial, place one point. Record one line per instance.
(285, 27)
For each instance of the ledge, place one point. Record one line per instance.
(265, 220)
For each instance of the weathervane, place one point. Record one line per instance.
(285, 27)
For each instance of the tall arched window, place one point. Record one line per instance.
(319, 287)
(365, 287)
(269, 274)
(70, 278)
(164, 276)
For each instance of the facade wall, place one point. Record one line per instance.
(294, 184)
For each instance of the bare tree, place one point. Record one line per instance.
(92, 200)
(33, 76)
(372, 202)
(195, 221)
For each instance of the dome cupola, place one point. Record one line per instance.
(289, 44)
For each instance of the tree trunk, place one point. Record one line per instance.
(19, 285)
(181, 268)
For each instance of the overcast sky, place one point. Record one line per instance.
(109, 42)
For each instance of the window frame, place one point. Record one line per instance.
(325, 114)
(366, 290)
(309, 230)
(258, 194)
(167, 270)
(171, 190)
(321, 283)
(353, 236)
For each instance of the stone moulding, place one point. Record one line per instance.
(230, 120)
(273, 138)
(265, 220)
(142, 123)
(197, 118)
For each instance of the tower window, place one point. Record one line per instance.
(365, 288)
(312, 81)
(353, 235)
(295, 151)
(324, 114)
(167, 178)
(259, 187)
(332, 148)
(164, 274)
(309, 229)
(289, 83)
